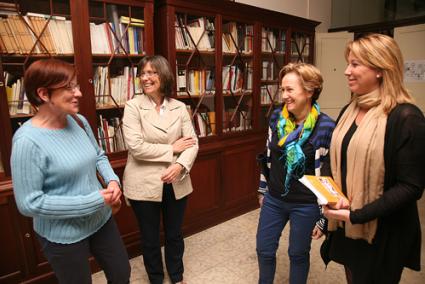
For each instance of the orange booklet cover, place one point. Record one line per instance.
(325, 188)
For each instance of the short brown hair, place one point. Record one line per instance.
(310, 77)
(163, 68)
(47, 73)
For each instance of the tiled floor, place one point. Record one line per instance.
(226, 254)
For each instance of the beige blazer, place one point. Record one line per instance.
(149, 137)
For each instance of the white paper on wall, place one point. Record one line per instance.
(414, 71)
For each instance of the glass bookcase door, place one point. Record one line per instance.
(29, 31)
(118, 37)
(300, 47)
(237, 73)
(273, 54)
(195, 69)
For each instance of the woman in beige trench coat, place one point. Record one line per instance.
(162, 147)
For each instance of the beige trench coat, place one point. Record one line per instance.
(149, 137)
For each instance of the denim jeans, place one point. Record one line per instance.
(273, 217)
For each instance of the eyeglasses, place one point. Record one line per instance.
(71, 87)
(148, 74)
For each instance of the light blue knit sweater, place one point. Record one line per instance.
(54, 180)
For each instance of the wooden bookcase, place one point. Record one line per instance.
(216, 48)
(225, 176)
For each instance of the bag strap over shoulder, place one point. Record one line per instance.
(78, 121)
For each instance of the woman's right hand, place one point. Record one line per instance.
(107, 196)
(182, 144)
(341, 204)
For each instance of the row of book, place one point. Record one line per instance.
(268, 71)
(106, 37)
(237, 37)
(41, 34)
(16, 97)
(110, 135)
(120, 88)
(236, 120)
(198, 32)
(195, 82)
(236, 79)
(203, 122)
(273, 40)
(35, 33)
(300, 45)
(270, 94)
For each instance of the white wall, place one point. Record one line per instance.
(318, 10)
(321, 11)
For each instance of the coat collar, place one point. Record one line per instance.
(150, 115)
(146, 103)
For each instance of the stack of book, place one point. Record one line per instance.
(273, 40)
(16, 97)
(198, 32)
(236, 79)
(35, 33)
(121, 35)
(110, 135)
(237, 37)
(121, 87)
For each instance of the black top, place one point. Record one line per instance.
(298, 193)
(344, 148)
(397, 242)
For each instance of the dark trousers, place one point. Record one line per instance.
(70, 261)
(148, 215)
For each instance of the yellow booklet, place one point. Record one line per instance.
(325, 188)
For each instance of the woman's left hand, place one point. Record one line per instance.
(171, 173)
(114, 188)
(337, 214)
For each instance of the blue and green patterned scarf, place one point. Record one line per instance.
(291, 139)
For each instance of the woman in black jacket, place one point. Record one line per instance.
(377, 157)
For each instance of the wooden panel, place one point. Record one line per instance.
(206, 184)
(32, 256)
(239, 180)
(12, 268)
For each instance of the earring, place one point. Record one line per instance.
(378, 76)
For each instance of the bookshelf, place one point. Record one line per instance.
(195, 73)
(232, 41)
(104, 40)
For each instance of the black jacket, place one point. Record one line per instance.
(398, 236)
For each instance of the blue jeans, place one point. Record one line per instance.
(273, 217)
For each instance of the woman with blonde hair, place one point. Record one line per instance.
(377, 158)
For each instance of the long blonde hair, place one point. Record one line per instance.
(382, 53)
